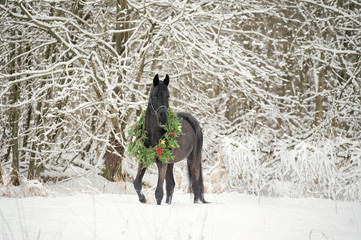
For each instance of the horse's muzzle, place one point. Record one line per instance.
(162, 118)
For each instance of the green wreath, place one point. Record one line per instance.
(163, 150)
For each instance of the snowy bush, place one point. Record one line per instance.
(296, 169)
(27, 188)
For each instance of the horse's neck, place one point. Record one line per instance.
(154, 132)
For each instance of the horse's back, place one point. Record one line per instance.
(191, 141)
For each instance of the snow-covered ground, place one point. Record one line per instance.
(228, 216)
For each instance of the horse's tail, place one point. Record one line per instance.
(201, 184)
(190, 181)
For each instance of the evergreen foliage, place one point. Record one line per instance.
(137, 136)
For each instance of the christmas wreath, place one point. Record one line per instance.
(163, 150)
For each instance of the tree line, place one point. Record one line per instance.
(75, 75)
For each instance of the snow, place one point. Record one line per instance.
(228, 216)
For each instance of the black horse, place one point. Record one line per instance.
(190, 145)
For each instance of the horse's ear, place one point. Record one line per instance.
(166, 80)
(156, 80)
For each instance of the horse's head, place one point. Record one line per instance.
(159, 96)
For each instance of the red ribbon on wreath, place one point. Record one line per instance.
(159, 150)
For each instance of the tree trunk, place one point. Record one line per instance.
(113, 157)
(1, 174)
(15, 175)
(319, 97)
(121, 23)
(14, 118)
(34, 163)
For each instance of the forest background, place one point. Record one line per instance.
(274, 84)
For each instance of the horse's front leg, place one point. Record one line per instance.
(162, 169)
(170, 183)
(138, 183)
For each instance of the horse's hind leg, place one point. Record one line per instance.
(193, 171)
(138, 183)
(196, 180)
(170, 183)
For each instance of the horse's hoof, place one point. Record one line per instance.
(198, 201)
(142, 198)
(169, 200)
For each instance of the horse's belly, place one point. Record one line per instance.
(180, 155)
(186, 143)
